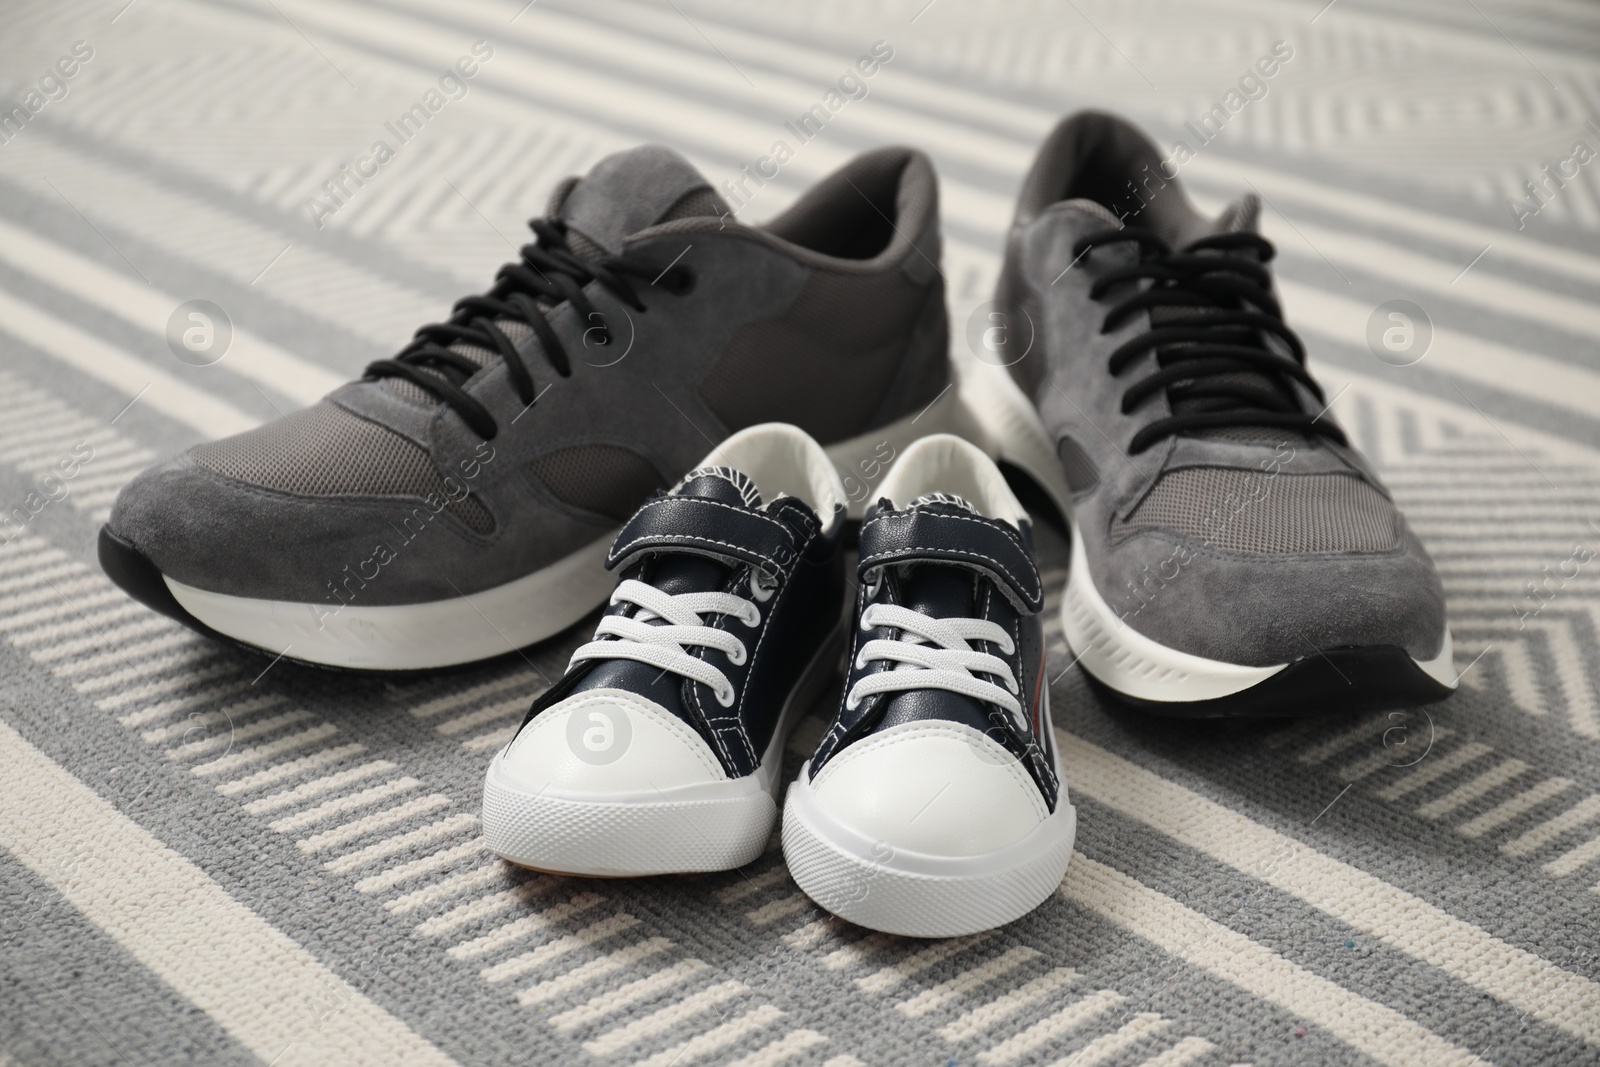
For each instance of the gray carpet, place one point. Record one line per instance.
(210, 858)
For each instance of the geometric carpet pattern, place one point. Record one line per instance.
(211, 857)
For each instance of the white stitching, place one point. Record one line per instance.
(743, 512)
(772, 609)
(1018, 582)
(1001, 567)
(737, 717)
(698, 501)
(828, 745)
(740, 550)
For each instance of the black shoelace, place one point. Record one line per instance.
(549, 270)
(1214, 363)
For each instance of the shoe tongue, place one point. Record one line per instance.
(678, 573)
(622, 194)
(630, 191)
(687, 573)
(1095, 209)
(1241, 216)
(933, 588)
(724, 484)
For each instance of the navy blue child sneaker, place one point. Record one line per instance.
(935, 805)
(659, 751)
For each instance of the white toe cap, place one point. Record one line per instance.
(938, 788)
(608, 742)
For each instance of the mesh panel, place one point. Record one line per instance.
(1082, 474)
(584, 248)
(697, 202)
(704, 201)
(1255, 512)
(1098, 210)
(326, 451)
(1241, 216)
(606, 479)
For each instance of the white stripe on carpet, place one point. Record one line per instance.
(1395, 917)
(590, 971)
(127, 374)
(248, 356)
(266, 991)
(1377, 1030)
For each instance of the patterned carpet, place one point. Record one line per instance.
(214, 859)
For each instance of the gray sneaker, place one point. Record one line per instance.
(458, 501)
(1232, 553)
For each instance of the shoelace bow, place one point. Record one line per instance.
(934, 654)
(1215, 360)
(665, 645)
(547, 269)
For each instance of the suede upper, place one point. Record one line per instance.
(632, 415)
(1189, 585)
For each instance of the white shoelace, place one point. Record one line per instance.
(665, 646)
(934, 654)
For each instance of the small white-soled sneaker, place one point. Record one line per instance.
(936, 804)
(659, 751)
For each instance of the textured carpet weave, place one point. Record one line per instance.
(212, 858)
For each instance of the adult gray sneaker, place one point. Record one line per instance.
(1232, 553)
(457, 502)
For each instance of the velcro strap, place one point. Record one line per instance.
(986, 545)
(706, 527)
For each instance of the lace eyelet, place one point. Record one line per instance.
(739, 655)
(724, 696)
(762, 593)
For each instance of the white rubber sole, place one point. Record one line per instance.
(438, 633)
(982, 405)
(1137, 666)
(914, 894)
(713, 827)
